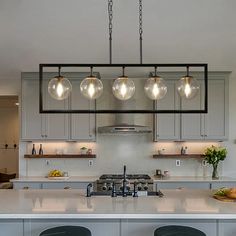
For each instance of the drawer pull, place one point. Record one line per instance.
(67, 187)
(26, 187)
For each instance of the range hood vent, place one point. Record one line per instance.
(124, 123)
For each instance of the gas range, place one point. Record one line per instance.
(142, 181)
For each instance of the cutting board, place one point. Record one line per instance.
(224, 198)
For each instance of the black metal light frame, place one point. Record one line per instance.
(153, 111)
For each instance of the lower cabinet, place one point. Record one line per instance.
(147, 227)
(183, 185)
(27, 185)
(64, 185)
(53, 185)
(11, 228)
(98, 227)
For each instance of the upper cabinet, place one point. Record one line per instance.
(36, 126)
(212, 126)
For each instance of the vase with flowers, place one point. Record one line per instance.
(213, 155)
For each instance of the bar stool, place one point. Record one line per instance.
(176, 230)
(67, 231)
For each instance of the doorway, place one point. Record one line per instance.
(9, 134)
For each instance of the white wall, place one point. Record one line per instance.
(35, 31)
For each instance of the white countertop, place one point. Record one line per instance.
(192, 179)
(86, 179)
(68, 204)
(81, 179)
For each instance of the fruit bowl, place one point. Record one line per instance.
(57, 174)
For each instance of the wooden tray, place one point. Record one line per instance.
(224, 198)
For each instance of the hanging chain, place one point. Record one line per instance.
(141, 30)
(110, 26)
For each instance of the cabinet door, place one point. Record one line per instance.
(31, 119)
(179, 185)
(65, 185)
(36, 126)
(167, 126)
(26, 185)
(83, 126)
(192, 125)
(56, 125)
(216, 120)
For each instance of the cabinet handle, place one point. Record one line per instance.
(67, 187)
(45, 136)
(202, 135)
(205, 135)
(42, 135)
(26, 187)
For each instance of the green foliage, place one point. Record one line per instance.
(213, 155)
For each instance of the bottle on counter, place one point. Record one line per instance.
(41, 149)
(33, 152)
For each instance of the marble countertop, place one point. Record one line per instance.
(72, 204)
(192, 179)
(81, 179)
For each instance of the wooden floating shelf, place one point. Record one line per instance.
(178, 156)
(61, 156)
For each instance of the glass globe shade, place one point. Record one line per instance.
(123, 88)
(59, 88)
(155, 88)
(91, 87)
(188, 87)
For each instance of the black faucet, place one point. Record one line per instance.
(89, 186)
(124, 187)
(135, 194)
(113, 192)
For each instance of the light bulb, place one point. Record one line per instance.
(123, 88)
(188, 87)
(155, 88)
(59, 88)
(91, 87)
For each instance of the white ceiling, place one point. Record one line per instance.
(51, 31)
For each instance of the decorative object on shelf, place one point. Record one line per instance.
(91, 87)
(213, 155)
(161, 151)
(83, 150)
(166, 173)
(33, 152)
(89, 151)
(183, 150)
(123, 88)
(47, 156)
(59, 87)
(41, 149)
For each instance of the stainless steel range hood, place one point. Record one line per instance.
(124, 123)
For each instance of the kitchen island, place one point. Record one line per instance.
(28, 212)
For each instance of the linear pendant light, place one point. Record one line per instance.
(123, 87)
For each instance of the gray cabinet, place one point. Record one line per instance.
(27, 185)
(64, 185)
(11, 227)
(180, 185)
(82, 125)
(210, 126)
(36, 126)
(167, 125)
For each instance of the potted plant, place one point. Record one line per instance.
(213, 155)
(83, 150)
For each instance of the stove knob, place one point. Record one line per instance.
(139, 186)
(104, 187)
(128, 187)
(109, 187)
(145, 187)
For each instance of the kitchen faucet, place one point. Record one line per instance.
(124, 187)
